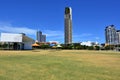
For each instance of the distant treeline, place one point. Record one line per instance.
(69, 46)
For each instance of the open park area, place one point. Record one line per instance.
(59, 65)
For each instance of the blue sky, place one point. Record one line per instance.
(90, 17)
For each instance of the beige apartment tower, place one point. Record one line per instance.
(68, 25)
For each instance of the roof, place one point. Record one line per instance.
(35, 44)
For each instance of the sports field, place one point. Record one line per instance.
(59, 65)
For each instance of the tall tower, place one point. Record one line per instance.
(39, 36)
(118, 36)
(43, 38)
(111, 35)
(68, 25)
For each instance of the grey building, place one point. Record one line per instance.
(40, 37)
(68, 26)
(118, 36)
(111, 35)
(43, 38)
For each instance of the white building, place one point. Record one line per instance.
(89, 43)
(17, 41)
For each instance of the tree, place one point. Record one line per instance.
(44, 46)
(5, 45)
(90, 47)
(109, 47)
(97, 47)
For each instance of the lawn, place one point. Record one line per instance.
(59, 65)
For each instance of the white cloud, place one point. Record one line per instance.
(51, 33)
(82, 35)
(97, 38)
(9, 28)
(54, 35)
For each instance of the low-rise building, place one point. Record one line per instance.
(89, 43)
(17, 41)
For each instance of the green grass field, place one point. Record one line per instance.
(59, 65)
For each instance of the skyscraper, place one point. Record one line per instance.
(68, 26)
(118, 36)
(43, 38)
(39, 36)
(111, 35)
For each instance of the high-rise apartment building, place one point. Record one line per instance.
(68, 25)
(43, 38)
(118, 36)
(111, 35)
(40, 37)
